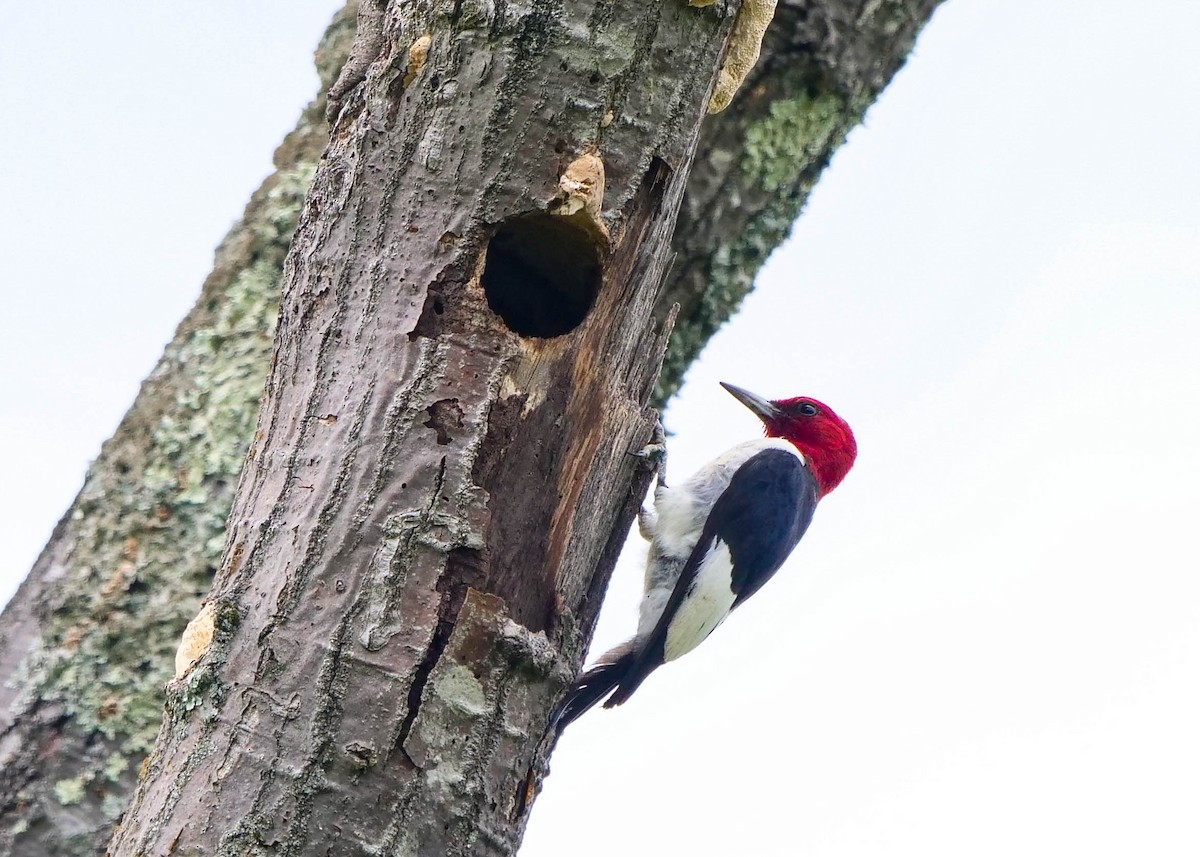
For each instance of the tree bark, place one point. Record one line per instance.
(86, 644)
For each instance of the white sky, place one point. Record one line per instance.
(989, 641)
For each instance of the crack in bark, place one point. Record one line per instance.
(447, 614)
(331, 684)
(413, 530)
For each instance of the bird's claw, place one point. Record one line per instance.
(651, 453)
(654, 453)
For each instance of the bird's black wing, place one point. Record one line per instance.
(762, 516)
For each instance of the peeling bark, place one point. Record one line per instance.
(88, 641)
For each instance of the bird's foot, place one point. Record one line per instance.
(654, 453)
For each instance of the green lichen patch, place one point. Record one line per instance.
(148, 527)
(113, 806)
(72, 791)
(459, 687)
(228, 618)
(794, 133)
(198, 687)
(116, 765)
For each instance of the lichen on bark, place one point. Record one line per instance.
(796, 131)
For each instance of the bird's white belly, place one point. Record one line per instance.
(706, 605)
(680, 516)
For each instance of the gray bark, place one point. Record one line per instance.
(86, 644)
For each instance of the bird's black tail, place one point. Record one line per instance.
(593, 686)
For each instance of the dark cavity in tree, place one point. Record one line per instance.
(541, 275)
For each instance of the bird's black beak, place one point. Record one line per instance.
(764, 409)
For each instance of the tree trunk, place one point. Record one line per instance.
(86, 643)
(440, 480)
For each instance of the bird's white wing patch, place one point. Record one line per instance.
(705, 606)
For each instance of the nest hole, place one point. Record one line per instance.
(541, 275)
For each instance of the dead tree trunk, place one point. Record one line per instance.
(86, 643)
(439, 480)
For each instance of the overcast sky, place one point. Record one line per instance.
(989, 641)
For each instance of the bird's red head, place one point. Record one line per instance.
(812, 427)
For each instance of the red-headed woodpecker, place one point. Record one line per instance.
(720, 536)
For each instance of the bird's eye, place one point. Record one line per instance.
(809, 410)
